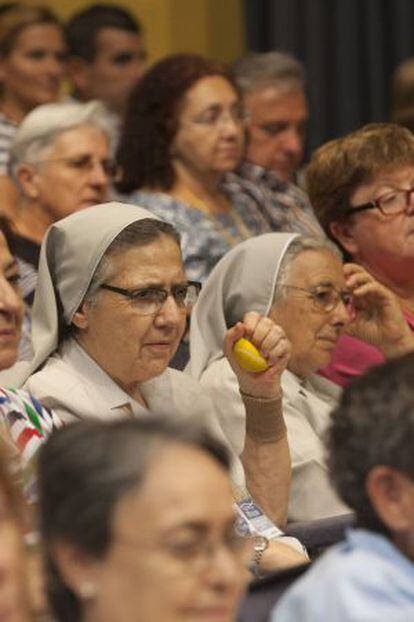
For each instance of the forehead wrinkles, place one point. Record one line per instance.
(315, 267)
(144, 264)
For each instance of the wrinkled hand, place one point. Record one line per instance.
(272, 344)
(377, 315)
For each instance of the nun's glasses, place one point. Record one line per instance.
(149, 300)
(325, 297)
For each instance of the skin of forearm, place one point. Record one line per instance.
(267, 469)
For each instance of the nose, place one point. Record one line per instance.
(225, 571)
(341, 314)
(170, 314)
(410, 202)
(54, 66)
(10, 300)
(230, 126)
(293, 141)
(98, 176)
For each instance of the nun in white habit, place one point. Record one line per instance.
(109, 312)
(303, 286)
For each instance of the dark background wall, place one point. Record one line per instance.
(349, 47)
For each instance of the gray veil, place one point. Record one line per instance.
(243, 280)
(71, 251)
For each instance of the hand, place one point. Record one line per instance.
(272, 344)
(279, 555)
(377, 317)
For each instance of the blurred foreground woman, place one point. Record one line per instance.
(138, 524)
(14, 603)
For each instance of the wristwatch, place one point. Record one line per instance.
(260, 545)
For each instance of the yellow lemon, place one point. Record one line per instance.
(248, 357)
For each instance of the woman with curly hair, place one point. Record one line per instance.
(183, 134)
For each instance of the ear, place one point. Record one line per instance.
(78, 72)
(79, 571)
(391, 494)
(28, 177)
(81, 317)
(343, 232)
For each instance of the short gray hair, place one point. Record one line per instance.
(256, 71)
(299, 245)
(41, 127)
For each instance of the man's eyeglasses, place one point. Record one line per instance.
(86, 163)
(325, 298)
(390, 204)
(149, 300)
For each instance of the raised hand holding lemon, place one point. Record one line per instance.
(258, 351)
(248, 356)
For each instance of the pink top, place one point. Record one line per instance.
(352, 357)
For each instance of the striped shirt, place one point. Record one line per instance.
(7, 132)
(24, 426)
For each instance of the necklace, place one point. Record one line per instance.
(243, 232)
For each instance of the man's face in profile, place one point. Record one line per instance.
(277, 117)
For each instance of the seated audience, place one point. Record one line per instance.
(183, 131)
(14, 589)
(110, 308)
(24, 422)
(60, 161)
(32, 51)
(106, 55)
(361, 187)
(300, 284)
(370, 576)
(185, 562)
(273, 88)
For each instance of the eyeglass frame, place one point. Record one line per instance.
(375, 203)
(71, 161)
(223, 117)
(344, 296)
(131, 294)
(242, 549)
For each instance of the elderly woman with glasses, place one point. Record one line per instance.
(361, 188)
(60, 161)
(301, 284)
(110, 308)
(183, 135)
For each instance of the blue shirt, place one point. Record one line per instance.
(363, 579)
(205, 238)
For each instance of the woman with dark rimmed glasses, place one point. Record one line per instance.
(361, 188)
(110, 309)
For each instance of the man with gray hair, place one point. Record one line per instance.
(60, 161)
(273, 85)
(273, 88)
